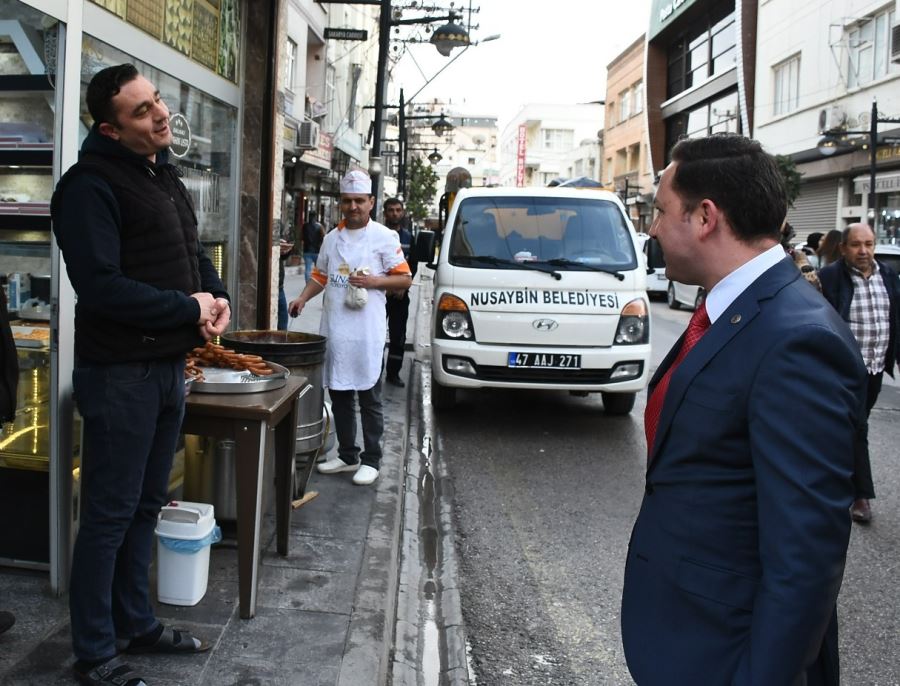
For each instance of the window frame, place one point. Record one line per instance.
(869, 48)
(786, 95)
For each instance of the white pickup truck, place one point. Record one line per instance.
(540, 288)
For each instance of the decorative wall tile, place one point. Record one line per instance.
(229, 38)
(117, 7)
(147, 15)
(205, 34)
(179, 19)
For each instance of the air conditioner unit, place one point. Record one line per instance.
(308, 135)
(895, 43)
(832, 118)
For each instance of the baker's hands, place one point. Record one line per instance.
(365, 280)
(295, 306)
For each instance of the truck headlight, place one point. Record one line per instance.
(453, 320)
(634, 324)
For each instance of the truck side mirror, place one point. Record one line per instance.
(423, 249)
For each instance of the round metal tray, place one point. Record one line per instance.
(219, 380)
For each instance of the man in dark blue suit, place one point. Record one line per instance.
(737, 555)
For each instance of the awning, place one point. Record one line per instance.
(885, 182)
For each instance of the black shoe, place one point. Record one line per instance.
(113, 672)
(395, 381)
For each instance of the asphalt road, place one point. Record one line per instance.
(546, 490)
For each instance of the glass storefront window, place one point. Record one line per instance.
(28, 102)
(204, 152)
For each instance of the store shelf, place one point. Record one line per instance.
(17, 153)
(26, 83)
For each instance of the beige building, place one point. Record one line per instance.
(626, 167)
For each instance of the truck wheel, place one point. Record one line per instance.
(670, 298)
(617, 403)
(442, 397)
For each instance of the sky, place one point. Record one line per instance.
(549, 51)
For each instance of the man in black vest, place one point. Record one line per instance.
(147, 294)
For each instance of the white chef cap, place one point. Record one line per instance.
(356, 182)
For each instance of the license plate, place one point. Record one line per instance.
(545, 360)
(662, 277)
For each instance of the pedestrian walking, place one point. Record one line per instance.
(312, 235)
(737, 554)
(398, 300)
(358, 262)
(866, 294)
(147, 294)
(285, 247)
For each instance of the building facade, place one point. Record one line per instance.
(535, 144)
(699, 71)
(816, 88)
(626, 167)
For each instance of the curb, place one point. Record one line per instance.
(367, 651)
(430, 637)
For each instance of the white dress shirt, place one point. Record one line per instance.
(728, 289)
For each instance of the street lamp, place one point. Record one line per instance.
(434, 157)
(836, 139)
(441, 126)
(385, 22)
(448, 37)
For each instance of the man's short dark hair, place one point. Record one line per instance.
(738, 176)
(393, 201)
(104, 86)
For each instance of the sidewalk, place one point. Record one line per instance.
(325, 613)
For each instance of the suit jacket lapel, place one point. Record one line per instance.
(738, 315)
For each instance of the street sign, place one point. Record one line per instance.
(346, 34)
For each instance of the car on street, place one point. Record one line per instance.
(889, 255)
(657, 281)
(680, 295)
(540, 288)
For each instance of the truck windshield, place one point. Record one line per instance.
(571, 234)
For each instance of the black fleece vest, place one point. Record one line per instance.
(159, 246)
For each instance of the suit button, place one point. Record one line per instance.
(648, 489)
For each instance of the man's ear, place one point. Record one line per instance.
(710, 217)
(108, 129)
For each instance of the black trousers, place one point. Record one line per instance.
(863, 485)
(397, 314)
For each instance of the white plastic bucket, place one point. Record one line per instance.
(182, 576)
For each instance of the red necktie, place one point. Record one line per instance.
(696, 328)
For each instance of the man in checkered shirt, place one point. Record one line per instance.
(866, 293)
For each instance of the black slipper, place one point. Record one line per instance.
(113, 672)
(170, 641)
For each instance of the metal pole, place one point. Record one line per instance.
(401, 147)
(384, 42)
(873, 162)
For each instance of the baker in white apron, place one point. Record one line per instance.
(357, 262)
